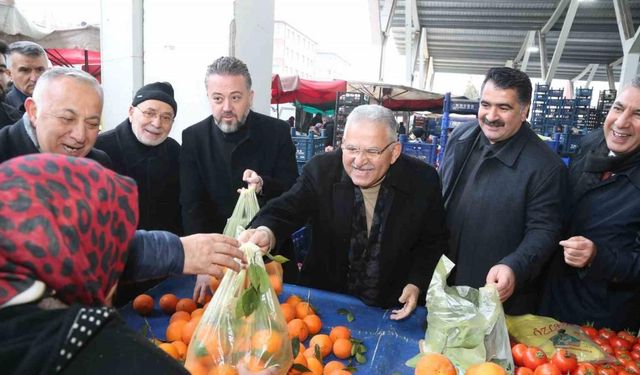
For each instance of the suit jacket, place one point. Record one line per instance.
(414, 237)
(8, 115)
(512, 215)
(156, 171)
(15, 98)
(208, 183)
(14, 141)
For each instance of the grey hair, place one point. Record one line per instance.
(229, 66)
(635, 82)
(374, 114)
(60, 72)
(25, 48)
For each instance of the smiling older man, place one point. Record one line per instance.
(62, 117)
(377, 216)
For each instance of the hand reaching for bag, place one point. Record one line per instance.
(409, 297)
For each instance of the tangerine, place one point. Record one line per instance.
(288, 312)
(297, 328)
(223, 369)
(174, 330)
(303, 309)
(180, 315)
(143, 304)
(197, 313)
(170, 350)
(324, 342)
(314, 365)
(313, 322)
(332, 366)
(276, 283)
(340, 372)
(434, 364)
(300, 360)
(274, 268)
(338, 332)
(188, 329)
(168, 303)
(293, 300)
(342, 348)
(266, 340)
(486, 368)
(186, 304)
(196, 368)
(214, 283)
(181, 347)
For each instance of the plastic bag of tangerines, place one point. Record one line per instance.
(243, 327)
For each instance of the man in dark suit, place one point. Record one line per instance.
(27, 62)
(232, 147)
(377, 216)
(504, 190)
(62, 117)
(8, 114)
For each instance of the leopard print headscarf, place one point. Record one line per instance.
(66, 222)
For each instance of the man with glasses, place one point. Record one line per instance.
(377, 216)
(62, 117)
(140, 147)
(504, 190)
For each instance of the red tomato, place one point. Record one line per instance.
(534, 357)
(547, 369)
(636, 347)
(627, 336)
(606, 333)
(635, 355)
(623, 356)
(606, 348)
(607, 369)
(632, 367)
(623, 372)
(525, 371)
(585, 368)
(518, 352)
(589, 330)
(600, 341)
(618, 342)
(564, 360)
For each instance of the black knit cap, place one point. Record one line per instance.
(162, 91)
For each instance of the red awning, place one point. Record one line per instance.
(293, 88)
(89, 61)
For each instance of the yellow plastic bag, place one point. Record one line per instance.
(549, 334)
(243, 326)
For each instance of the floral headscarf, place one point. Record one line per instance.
(66, 222)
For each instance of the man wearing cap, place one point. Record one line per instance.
(140, 147)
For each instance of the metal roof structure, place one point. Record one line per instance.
(470, 36)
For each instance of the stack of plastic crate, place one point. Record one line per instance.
(581, 108)
(306, 147)
(538, 105)
(426, 152)
(605, 101)
(557, 112)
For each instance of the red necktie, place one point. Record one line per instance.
(605, 175)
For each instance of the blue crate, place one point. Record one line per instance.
(308, 146)
(426, 152)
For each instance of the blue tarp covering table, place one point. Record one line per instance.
(389, 343)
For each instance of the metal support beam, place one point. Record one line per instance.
(414, 15)
(582, 73)
(610, 77)
(422, 55)
(542, 51)
(408, 39)
(631, 49)
(623, 16)
(530, 43)
(555, 16)
(592, 74)
(562, 39)
(430, 74)
(387, 12)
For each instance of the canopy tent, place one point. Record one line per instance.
(312, 96)
(398, 97)
(89, 60)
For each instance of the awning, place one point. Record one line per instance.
(398, 97)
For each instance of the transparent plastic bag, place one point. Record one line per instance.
(243, 326)
(465, 324)
(246, 208)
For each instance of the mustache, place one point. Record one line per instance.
(494, 123)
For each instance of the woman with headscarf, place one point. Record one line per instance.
(65, 228)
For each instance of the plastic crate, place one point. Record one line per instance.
(308, 146)
(426, 152)
(570, 143)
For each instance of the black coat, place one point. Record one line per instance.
(156, 171)
(14, 141)
(209, 184)
(16, 99)
(415, 235)
(512, 216)
(8, 115)
(606, 293)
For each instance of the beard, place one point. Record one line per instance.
(232, 127)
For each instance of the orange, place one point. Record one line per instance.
(434, 364)
(486, 368)
(303, 309)
(293, 300)
(324, 342)
(253, 363)
(332, 366)
(174, 330)
(197, 313)
(313, 322)
(301, 360)
(310, 352)
(274, 268)
(207, 298)
(276, 283)
(168, 303)
(223, 369)
(340, 372)
(188, 329)
(266, 341)
(214, 283)
(342, 348)
(314, 365)
(143, 304)
(180, 315)
(181, 347)
(195, 368)
(186, 304)
(340, 332)
(288, 312)
(170, 349)
(298, 329)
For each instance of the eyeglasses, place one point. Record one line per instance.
(150, 115)
(371, 153)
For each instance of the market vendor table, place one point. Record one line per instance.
(389, 343)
